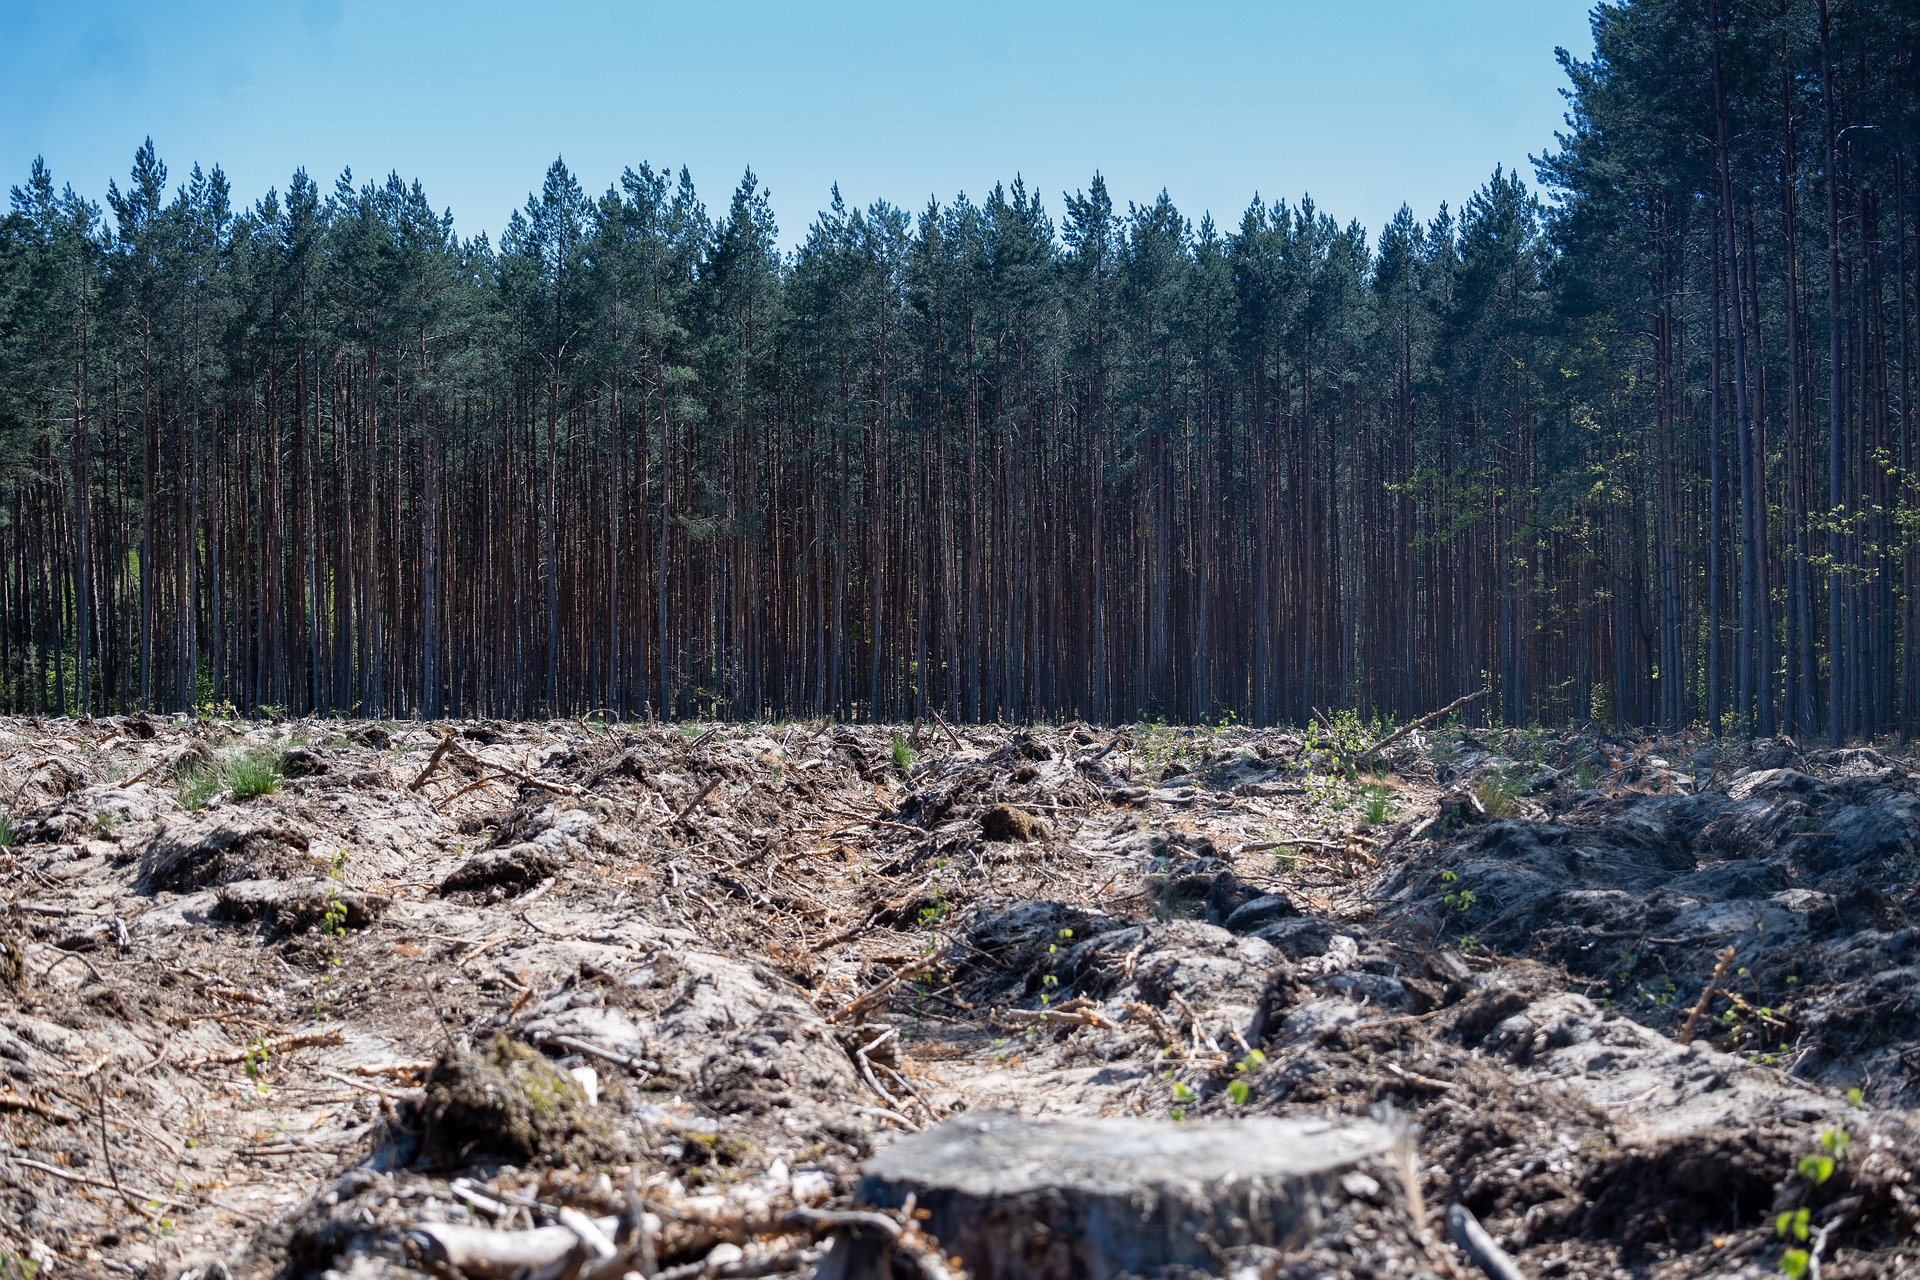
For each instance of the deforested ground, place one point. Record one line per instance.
(290, 998)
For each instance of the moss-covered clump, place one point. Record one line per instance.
(14, 974)
(507, 1102)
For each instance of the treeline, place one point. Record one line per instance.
(1642, 454)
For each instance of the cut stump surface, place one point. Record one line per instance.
(1024, 1199)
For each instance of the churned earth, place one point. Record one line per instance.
(582, 999)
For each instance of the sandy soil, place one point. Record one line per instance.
(684, 980)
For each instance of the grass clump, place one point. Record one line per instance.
(902, 755)
(254, 772)
(1499, 794)
(1376, 803)
(195, 783)
(7, 833)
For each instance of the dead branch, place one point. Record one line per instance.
(1432, 717)
(67, 1175)
(694, 803)
(14, 1102)
(941, 721)
(1722, 958)
(861, 1004)
(277, 1045)
(433, 762)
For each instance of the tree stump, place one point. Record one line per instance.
(1066, 1199)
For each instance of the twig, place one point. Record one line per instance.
(1466, 1231)
(941, 721)
(14, 1102)
(574, 1044)
(163, 762)
(1425, 1084)
(73, 955)
(1819, 1244)
(442, 805)
(398, 1095)
(1722, 958)
(519, 775)
(106, 1149)
(695, 802)
(861, 1004)
(69, 1176)
(1140, 1011)
(394, 1069)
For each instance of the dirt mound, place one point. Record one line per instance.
(507, 1101)
(211, 851)
(1809, 880)
(1004, 822)
(296, 905)
(514, 869)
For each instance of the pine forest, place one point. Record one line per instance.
(1630, 439)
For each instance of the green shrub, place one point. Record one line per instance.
(902, 755)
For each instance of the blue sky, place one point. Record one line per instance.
(1363, 105)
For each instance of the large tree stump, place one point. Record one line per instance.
(1021, 1199)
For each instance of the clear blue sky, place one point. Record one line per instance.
(1363, 105)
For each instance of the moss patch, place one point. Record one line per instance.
(507, 1101)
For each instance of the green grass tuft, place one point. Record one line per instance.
(1498, 794)
(1378, 803)
(194, 784)
(255, 772)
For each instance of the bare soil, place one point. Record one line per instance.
(688, 979)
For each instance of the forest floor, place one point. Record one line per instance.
(317, 995)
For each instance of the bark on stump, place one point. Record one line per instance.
(1023, 1199)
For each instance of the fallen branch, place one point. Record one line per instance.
(67, 1175)
(433, 762)
(163, 762)
(573, 1044)
(398, 1095)
(1146, 1014)
(508, 771)
(279, 1044)
(861, 1004)
(1432, 717)
(14, 1102)
(941, 721)
(441, 806)
(1421, 1083)
(486, 1254)
(1075, 1014)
